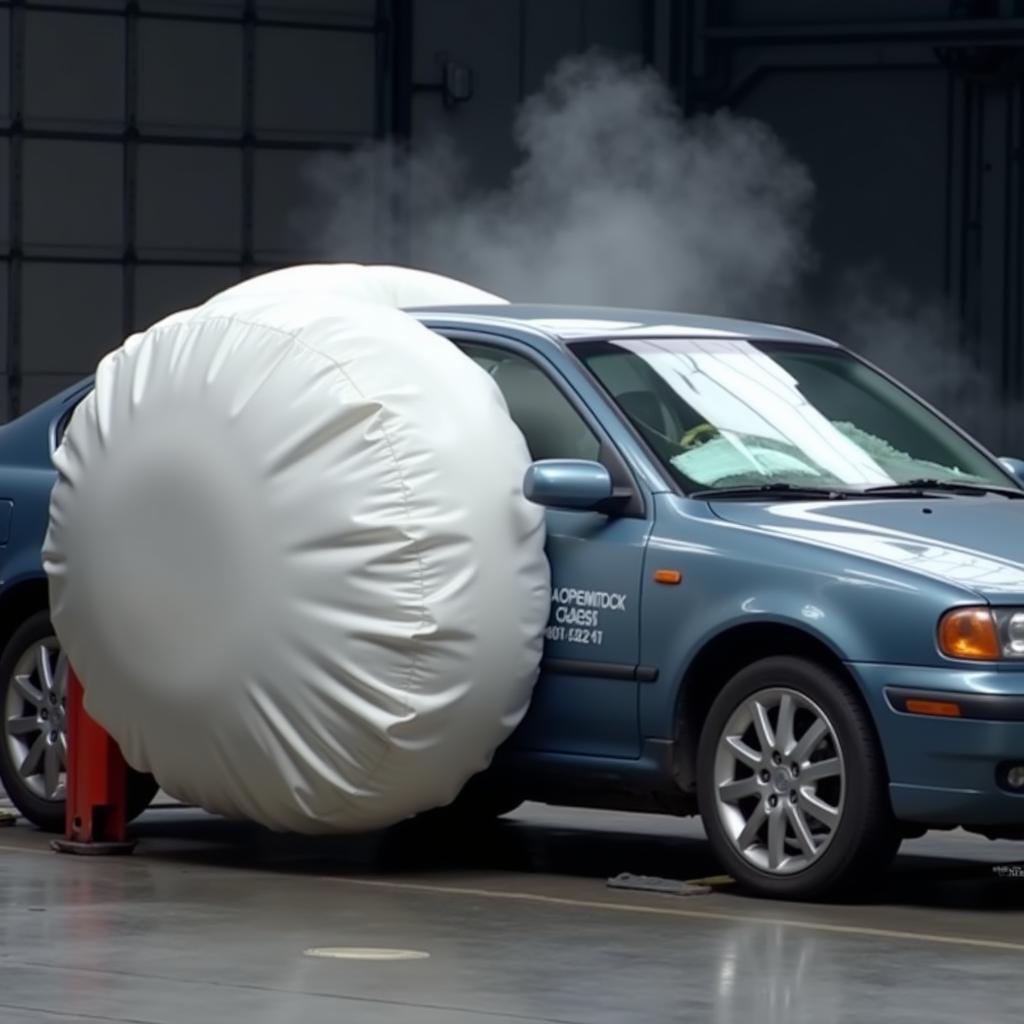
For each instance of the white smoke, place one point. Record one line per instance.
(616, 200)
(619, 200)
(918, 340)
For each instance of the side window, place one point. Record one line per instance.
(65, 418)
(552, 427)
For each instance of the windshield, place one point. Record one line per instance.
(733, 413)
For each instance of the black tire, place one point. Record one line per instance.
(865, 838)
(44, 813)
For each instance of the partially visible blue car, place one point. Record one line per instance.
(787, 594)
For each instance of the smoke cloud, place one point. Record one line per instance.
(619, 200)
(918, 340)
(616, 200)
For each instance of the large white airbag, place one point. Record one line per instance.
(290, 558)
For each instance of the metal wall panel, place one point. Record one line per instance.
(232, 9)
(487, 40)
(613, 26)
(74, 70)
(207, 100)
(550, 31)
(72, 313)
(790, 12)
(5, 79)
(340, 11)
(159, 291)
(134, 138)
(190, 205)
(73, 198)
(281, 187)
(509, 48)
(875, 145)
(5, 205)
(314, 84)
(37, 387)
(84, 5)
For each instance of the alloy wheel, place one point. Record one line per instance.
(779, 780)
(34, 713)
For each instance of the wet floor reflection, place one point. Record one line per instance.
(510, 845)
(123, 935)
(770, 974)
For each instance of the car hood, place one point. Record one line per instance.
(977, 543)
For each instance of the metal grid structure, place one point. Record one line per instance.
(152, 150)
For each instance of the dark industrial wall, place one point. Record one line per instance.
(909, 115)
(152, 151)
(510, 46)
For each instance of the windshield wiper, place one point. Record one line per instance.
(775, 490)
(913, 488)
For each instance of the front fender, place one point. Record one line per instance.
(785, 610)
(734, 576)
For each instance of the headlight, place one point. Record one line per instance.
(1012, 629)
(982, 634)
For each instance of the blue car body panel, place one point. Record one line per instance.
(865, 580)
(26, 479)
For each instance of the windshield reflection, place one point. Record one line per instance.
(724, 412)
(749, 398)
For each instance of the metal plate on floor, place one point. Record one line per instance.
(649, 883)
(364, 953)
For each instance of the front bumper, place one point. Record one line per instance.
(946, 771)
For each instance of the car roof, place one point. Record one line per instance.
(578, 323)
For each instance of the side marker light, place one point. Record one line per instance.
(671, 577)
(936, 708)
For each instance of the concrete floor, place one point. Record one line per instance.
(208, 923)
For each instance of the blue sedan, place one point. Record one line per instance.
(787, 595)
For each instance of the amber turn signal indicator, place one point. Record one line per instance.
(669, 576)
(969, 633)
(938, 708)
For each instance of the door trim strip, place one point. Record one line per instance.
(600, 669)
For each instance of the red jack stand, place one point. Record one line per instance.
(96, 785)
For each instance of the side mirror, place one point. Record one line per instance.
(1015, 467)
(572, 484)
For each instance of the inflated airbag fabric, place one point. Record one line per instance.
(290, 558)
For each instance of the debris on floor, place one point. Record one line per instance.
(648, 883)
(715, 881)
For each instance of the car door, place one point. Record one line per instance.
(586, 701)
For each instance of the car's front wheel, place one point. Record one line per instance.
(33, 735)
(792, 784)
